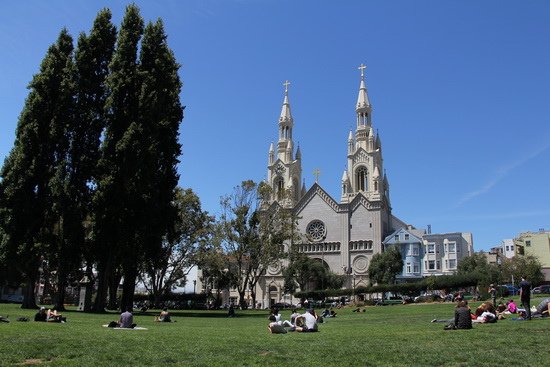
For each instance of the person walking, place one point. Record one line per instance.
(493, 293)
(525, 296)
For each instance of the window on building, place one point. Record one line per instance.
(438, 264)
(415, 250)
(280, 188)
(361, 179)
(431, 248)
(406, 236)
(396, 237)
(408, 268)
(416, 268)
(507, 248)
(528, 243)
(431, 265)
(511, 247)
(452, 247)
(452, 264)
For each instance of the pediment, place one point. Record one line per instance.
(314, 191)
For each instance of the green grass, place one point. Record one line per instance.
(396, 335)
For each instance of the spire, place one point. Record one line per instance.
(376, 173)
(345, 176)
(271, 153)
(285, 127)
(363, 102)
(298, 153)
(285, 111)
(350, 137)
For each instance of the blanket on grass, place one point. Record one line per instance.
(122, 328)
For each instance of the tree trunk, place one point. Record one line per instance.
(128, 287)
(29, 300)
(114, 281)
(59, 303)
(242, 300)
(101, 295)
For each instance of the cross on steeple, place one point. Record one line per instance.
(316, 172)
(362, 67)
(286, 84)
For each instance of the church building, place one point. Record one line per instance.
(342, 233)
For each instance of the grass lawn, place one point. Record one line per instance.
(396, 335)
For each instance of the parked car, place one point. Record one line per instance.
(281, 305)
(509, 290)
(541, 289)
(15, 298)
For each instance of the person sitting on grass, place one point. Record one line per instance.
(41, 315)
(463, 320)
(164, 316)
(126, 320)
(308, 322)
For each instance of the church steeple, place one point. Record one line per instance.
(363, 104)
(286, 122)
(363, 110)
(284, 171)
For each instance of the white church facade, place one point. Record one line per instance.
(342, 233)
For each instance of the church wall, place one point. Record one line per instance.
(360, 222)
(317, 208)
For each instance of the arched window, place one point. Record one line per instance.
(280, 188)
(361, 179)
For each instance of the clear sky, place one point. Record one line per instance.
(460, 90)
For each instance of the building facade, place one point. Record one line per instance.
(536, 244)
(429, 254)
(443, 251)
(342, 234)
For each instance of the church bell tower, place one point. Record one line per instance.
(284, 169)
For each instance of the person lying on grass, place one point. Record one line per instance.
(44, 315)
(308, 322)
(164, 316)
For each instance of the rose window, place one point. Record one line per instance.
(316, 230)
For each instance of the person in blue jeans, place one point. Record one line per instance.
(525, 296)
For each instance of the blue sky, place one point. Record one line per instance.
(460, 90)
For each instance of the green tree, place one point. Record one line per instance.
(27, 175)
(92, 57)
(160, 114)
(518, 266)
(118, 199)
(180, 248)
(253, 239)
(384, 267)
(304, 273)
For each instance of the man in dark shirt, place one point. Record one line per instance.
(41, 315)
(525, 296)
(463, 320)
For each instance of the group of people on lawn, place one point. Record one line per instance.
(125, 321)
(488, 312)
(306, 322)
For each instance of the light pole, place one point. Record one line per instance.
(354, 300)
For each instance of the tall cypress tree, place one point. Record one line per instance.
(160, 113)
(75, 174)
(117, 196)
(25, 190)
